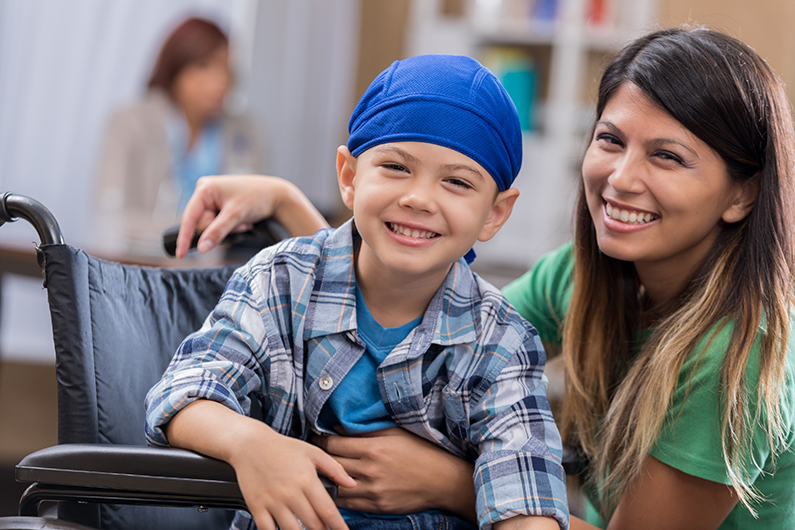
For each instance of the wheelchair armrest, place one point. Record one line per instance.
(130, 468)
(135, 468)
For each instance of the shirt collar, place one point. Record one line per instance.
(448, 320)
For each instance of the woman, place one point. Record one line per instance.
(673, 304)
(156, 149)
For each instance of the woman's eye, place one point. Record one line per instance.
(667, 155)
(608, 138)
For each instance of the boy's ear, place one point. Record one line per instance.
(500, 212)
(346, 173)
(744, 199)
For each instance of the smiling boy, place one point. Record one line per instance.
(381, 322)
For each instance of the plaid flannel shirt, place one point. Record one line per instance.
(468, 378)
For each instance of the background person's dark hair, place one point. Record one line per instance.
(193, 41)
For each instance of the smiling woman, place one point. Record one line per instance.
(656, 192)
(676, 334)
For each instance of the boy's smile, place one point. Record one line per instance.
(411, 232)
(419, 207)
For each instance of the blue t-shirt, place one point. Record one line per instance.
(356, 403)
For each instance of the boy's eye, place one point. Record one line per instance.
(394, 166)
(459, 182)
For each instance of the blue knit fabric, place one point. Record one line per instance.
(447, 100)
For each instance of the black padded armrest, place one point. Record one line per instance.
(129, 467)
(133, 468)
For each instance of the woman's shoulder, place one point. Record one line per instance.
(711, 348)
(146, 113)
(542, 294)
(691, 436)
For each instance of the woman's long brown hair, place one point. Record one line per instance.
(618, 390)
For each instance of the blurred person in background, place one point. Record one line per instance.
(156, 149)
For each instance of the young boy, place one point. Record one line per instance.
(381, 322)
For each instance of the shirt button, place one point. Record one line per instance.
(325, 383)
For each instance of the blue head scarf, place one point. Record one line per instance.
(448, 100)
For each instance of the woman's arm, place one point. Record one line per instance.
(662, 497)
(226, 203)
(399, 472)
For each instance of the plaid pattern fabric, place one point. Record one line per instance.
(469, 377)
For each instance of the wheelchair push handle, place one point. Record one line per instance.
(262, 234)
(13, 207)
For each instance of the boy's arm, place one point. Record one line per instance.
(202, 399)
(527, 522)
(519, 470)
(277, 474)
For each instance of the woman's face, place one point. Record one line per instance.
(200, 88)
(656, 193)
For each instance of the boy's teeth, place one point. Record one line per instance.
(625, 216)
(418, 234)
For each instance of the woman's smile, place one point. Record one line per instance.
(657, 194)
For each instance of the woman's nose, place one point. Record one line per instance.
(627, 175)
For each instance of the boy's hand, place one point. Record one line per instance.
(278, 478)
(276, 474)
(398, 472)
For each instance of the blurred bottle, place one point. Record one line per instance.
(518, 73)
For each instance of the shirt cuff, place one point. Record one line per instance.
(509, 483)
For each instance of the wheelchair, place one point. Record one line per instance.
(115, 329)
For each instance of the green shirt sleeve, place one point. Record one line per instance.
(542, 294)
(691, 439)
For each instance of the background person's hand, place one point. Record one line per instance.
(397, 472)
(233, 203)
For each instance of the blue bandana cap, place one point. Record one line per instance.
(447, 100)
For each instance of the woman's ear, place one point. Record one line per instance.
(346, 173)
(744, 200)
(500, 212)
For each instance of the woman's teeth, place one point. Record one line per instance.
(406, 231)
(633, 218)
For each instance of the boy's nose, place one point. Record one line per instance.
(419, 197)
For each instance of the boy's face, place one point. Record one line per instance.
(419, 207)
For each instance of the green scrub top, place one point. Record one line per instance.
(690, 439)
